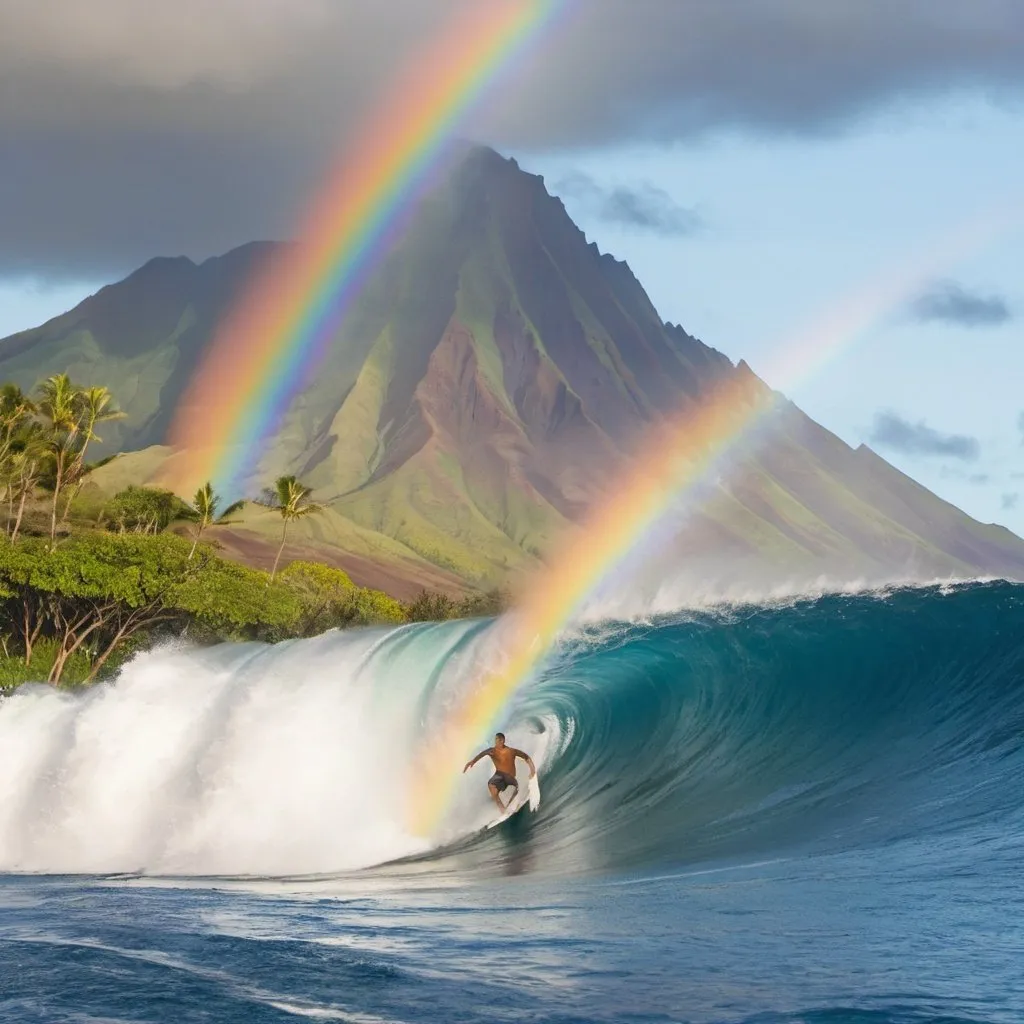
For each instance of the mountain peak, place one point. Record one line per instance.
(492, 380)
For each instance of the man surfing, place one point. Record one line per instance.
(504, 759)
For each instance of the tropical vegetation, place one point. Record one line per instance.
(73, 609)
(205, 512)
(292, 500)
(84, 586)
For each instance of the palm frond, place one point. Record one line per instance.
(310, 509)
(231, 510)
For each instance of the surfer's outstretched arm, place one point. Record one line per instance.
(529, 760)
(483, 753)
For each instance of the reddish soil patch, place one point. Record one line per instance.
(401, 579)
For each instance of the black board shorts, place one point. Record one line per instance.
(501, 781)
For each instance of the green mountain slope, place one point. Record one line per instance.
(496, 376)
(142, 337)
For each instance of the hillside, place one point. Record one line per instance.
(495, 378)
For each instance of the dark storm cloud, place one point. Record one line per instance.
(892, 431)
(951, 303)
(130, 129)
(643, 206)
(78, 207)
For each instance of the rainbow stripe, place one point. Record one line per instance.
(681, 456)
(270, 344)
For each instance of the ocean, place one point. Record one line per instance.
(802, 810)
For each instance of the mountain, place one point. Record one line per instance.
(497, 375)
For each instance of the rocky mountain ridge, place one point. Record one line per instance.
(495, 378)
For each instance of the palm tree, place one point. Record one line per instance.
(71, 415)
(94, 405)
(61, 408)
(15, 409)
(291, 499)
(96, 408)
(203, 512)
(23, 467)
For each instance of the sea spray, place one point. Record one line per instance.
(242, 759)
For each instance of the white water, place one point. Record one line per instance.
(703, 591)
(246, 759)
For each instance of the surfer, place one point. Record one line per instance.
(504, 759)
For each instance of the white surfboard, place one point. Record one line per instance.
(531, 795)
(533, 792)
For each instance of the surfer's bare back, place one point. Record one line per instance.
(504, 759)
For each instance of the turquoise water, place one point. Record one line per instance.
(801, 812)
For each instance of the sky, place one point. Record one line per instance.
(759, 165)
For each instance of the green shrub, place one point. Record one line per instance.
(329, 599)
(96, 593)
(142, 510)
(14, 672)
(91, 601)
(431, 607)
(493, 603)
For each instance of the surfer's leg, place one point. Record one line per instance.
(493, 790)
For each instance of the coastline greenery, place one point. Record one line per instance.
(85, 585)
(79, 607)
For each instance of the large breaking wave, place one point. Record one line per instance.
(737, 733)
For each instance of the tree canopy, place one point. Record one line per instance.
(96, 591)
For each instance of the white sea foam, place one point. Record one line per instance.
(286, 760)
(688, 592)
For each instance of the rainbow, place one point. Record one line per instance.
(681, 455)
(271, 342)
